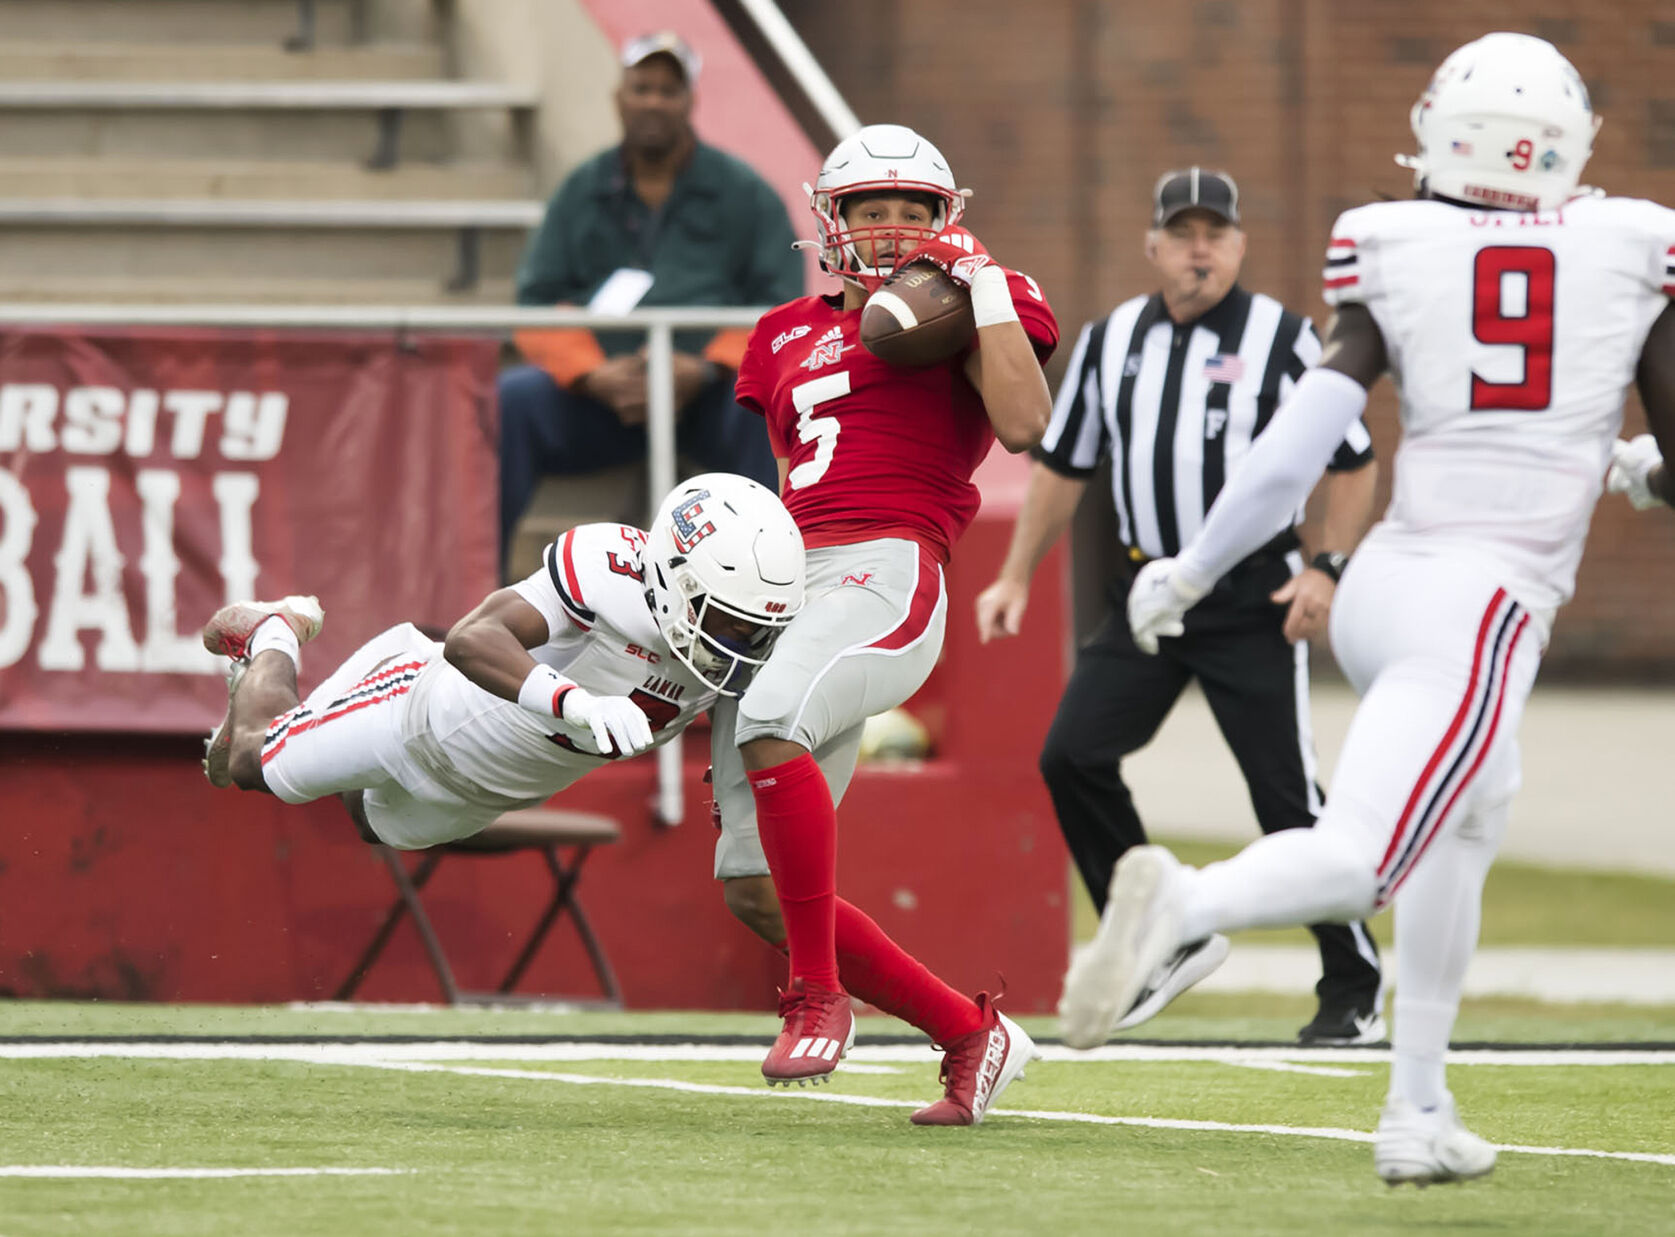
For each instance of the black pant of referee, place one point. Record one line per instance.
(1117, 698)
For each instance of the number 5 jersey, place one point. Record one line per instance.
(876, 450)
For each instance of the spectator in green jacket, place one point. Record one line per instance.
(661, 219)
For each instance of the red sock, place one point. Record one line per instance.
(883, 974)
(798, 827)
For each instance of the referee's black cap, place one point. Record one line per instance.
(1194, 189)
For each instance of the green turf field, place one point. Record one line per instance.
(500, 1138)
(642, 1135)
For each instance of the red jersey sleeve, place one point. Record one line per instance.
(754, 384)
(1034, 313)
(758, 372)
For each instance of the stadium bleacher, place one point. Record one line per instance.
(192, 157)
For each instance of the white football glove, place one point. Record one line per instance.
(618, 723)
(1158, 602)
(1632, 461)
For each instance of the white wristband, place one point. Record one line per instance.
(991, 299)
(540, 691)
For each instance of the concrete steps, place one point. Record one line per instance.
(174, 21)
(81, 61)
(350, 136)
(387, 120)
(28, 254)
(178, 145)
(177, 289)
(96, 177)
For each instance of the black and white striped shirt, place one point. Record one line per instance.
(1177, 406)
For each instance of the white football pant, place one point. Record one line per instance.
(1444, 660)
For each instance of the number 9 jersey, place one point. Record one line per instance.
(876, 450)
(1511, 338)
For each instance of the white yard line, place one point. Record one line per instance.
(87, 1170)
(895, 1054)
(1287, 1067)
(867, 1101)
(430, 1058)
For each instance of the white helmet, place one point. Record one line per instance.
(1505, 123)
(723, 543)
(879, 159)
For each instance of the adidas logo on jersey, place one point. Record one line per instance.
(828, 350)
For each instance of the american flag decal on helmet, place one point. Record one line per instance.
(688, 531)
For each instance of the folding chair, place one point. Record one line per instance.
(541, 829)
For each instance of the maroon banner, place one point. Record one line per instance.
(149, 476)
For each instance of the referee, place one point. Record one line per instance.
(1173, 387)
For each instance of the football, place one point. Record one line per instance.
(919, 316)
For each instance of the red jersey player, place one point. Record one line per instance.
(877, 463)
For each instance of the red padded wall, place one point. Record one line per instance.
(123, 875)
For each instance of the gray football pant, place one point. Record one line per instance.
(865, 640)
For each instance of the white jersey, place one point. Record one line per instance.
(1512, 339)
(591, 589)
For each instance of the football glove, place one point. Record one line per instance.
(1632, 462)
(618, 724)
(1158, 601)
(956, 251)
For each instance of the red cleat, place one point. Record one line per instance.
(819, 1029)
(977, 1067)
(229, 631)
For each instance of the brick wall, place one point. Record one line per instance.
(1061, 114)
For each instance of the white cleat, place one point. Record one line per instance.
(1139, 932)
(230, 630)
(1428, 1146)
(1190, 964)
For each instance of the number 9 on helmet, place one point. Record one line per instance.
(724, 576)
(1506, 123)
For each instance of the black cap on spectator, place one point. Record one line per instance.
(1194, 189)
(663, 43)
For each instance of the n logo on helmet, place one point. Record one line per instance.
(687, 530)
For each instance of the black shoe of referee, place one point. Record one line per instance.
(1345, 1022)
